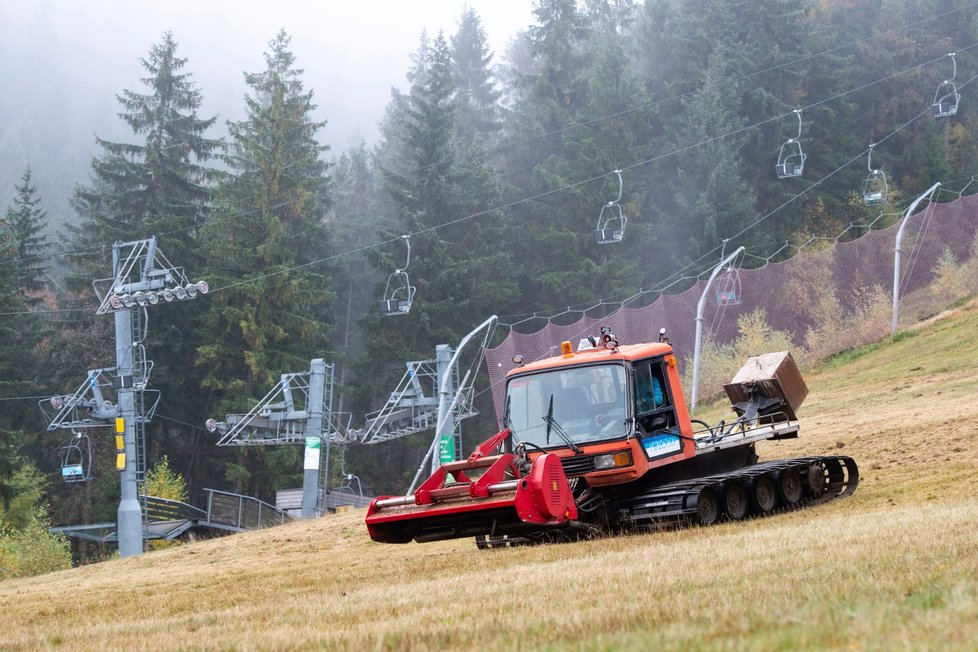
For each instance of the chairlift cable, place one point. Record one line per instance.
(592, 179)
(779, 66)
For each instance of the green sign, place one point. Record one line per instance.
(446, 449)
(311, 461)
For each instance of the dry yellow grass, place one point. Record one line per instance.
(892, 567)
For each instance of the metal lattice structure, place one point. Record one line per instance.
(93, 404)
(413, 405)
(142, 278)
(281, 417)
(299, 409)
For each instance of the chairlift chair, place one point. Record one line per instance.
(611, 227)
(946, 97)
(791, 158)
(76, 459)
(728, 287)
(398, 301)
(874, 190)
(399, 293)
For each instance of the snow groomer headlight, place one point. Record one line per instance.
(612, 460)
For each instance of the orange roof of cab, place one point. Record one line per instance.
(624, 352)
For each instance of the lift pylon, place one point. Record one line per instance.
(141, 276)
(298, 410)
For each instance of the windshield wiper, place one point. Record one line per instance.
(553, 425)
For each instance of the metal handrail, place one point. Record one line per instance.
(246, 512)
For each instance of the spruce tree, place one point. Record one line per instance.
(22, 243)
(444, 176)
(476, 93)
(434, 175)
(158, 185)
(26, 222)
(353, 220)
(269, 313)
(11, 303)
(578, 76)
(712, 201)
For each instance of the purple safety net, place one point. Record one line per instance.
(793, 295)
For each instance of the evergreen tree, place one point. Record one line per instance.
(263, 244)
(711, 199)
(159, 186)
(21, 329)
(26, 222)
(476, 93)
(353, 220)
(444, 176)
(579, 77)
(461, 269)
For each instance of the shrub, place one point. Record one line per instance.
(949, 283)
(33, 549)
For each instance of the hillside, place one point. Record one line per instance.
(892, 567)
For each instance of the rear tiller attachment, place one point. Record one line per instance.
(483, 495)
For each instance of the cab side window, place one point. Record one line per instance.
(652, 403)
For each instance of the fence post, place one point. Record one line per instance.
(896, 253)
(699, 325)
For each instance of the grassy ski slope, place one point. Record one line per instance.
(893, 567)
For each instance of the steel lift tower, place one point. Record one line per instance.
(141, 277)
(299, 409)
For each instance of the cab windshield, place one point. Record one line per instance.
(589, 404)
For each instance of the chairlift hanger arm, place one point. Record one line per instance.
(407, 262)
(620, 187)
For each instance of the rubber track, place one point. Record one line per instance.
(678, 500)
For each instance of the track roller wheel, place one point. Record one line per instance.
(765, 494)
(815, 479)
(707, 507)
(789, 486)
(735, 502)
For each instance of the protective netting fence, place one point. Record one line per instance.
(831, 296)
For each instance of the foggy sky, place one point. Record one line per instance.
(352, 53)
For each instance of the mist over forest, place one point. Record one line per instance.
(494, 152)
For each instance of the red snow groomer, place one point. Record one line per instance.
(600, 439)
